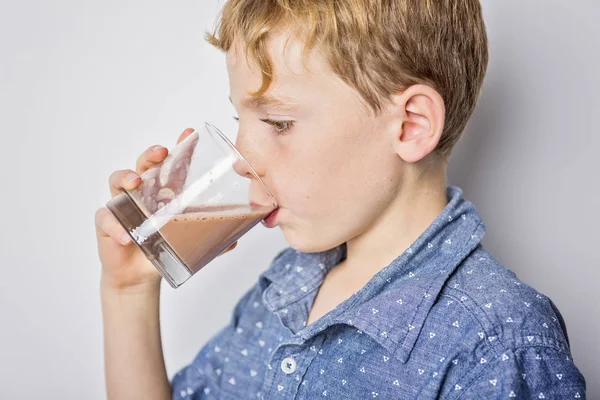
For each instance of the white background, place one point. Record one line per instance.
(85, 86)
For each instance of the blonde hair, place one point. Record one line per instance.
(378, 47)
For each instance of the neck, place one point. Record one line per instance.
(416, 206)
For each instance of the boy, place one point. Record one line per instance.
(348, 111)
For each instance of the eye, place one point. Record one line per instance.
(279, 127)
(237, 119)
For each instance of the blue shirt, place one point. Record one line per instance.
(443, 320)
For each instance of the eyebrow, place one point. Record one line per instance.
(266, 101)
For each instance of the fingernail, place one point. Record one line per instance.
(125, 238)
(157, 148)
(132, 177)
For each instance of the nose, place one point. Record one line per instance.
(250, 150)
(242, 169)
(257, 195)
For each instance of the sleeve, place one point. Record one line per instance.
(529, 373)
(201, 380)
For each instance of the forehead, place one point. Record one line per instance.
(290, 65)
(306, 80)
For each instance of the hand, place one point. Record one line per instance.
(124, 265)
(164, 184)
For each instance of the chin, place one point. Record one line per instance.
(307, 243)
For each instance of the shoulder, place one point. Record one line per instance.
(503, 306)
(508, 332)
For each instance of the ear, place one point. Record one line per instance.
(420, 113)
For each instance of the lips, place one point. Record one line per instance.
(270, 220)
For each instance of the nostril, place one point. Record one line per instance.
(241, 168)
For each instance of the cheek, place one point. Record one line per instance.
(304, 183)
(317, 173)
(335, 213)
(332, 198)
(333, 178)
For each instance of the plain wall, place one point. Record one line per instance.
(85, 86)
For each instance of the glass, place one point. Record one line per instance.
(195, 204)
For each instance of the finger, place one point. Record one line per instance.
(150, 158)
(175, 174)
(185, 134)
(108, 226)
(157, 154)
(233, 246)
(124, 179)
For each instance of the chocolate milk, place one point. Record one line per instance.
(200, 234)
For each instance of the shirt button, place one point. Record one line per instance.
(288, 365)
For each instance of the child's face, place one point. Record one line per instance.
(333, 170)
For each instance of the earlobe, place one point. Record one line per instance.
(422, 112)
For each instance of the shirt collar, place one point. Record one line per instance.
(393, 305)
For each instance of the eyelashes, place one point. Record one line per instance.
(279, 127)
